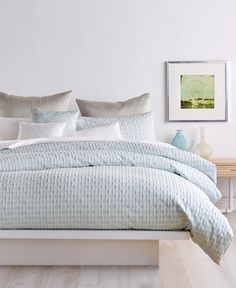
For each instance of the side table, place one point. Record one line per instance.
(227, 168)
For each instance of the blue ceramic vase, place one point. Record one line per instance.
(179, 140)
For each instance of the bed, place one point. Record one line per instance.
(81, 188)
(115, 193)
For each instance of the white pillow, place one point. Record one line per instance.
(9, 127)
(37, 130)
(108, 133)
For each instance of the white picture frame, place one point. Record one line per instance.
(197, 91)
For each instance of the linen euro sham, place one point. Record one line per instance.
(20, 106)
(131, 106)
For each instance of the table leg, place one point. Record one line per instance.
(231, 196)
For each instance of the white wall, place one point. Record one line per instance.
(115, 49)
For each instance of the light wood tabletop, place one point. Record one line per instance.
(226, 167)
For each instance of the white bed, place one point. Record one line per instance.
(91, 247)
(41, 239)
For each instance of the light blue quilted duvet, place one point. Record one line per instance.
(112, 185)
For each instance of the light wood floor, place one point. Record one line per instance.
(182, 265)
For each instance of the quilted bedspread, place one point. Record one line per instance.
(112, 185)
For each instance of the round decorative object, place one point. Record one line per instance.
(204, 149)
(179, 140)
(194, 149)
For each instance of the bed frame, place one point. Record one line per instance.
(83, 247)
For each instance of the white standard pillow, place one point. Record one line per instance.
(38, 130)
(108, 133)
(9, 127)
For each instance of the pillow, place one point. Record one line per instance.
(9, 127)
(44, 116)
(138, 127)
(104, 109)
(19, 106)
(109, 133)
(37, 130)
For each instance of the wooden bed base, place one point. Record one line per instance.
(92, 247)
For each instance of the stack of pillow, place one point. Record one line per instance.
(49, 116)
(15, 111)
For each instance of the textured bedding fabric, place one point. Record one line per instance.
(112, 185)
(138, 127)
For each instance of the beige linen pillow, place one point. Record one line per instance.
(20, 106)
(131, 106)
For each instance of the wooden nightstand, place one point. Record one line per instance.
(227, 168)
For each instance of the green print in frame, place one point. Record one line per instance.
(197, 91)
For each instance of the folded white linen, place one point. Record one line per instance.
(19, 143)
(11, 144)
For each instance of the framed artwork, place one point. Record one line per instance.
(197, 91)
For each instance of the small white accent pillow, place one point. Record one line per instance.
(37, 130)
(9, 127)
(108, 133)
